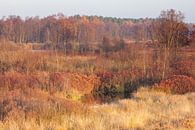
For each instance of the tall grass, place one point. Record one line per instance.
(52, 91)
(147, 110)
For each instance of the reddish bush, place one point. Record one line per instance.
(20, 103)
(133, 74)
(183, 67)
(105, 76)
(56, 82)
(90, 99)
(178, 84)
(13, 81)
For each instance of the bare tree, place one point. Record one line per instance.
(171, 32)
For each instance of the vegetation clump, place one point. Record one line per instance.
(177, 84)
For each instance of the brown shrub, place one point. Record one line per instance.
(177, 84)
(49, 82)
(105, 76)
(114, 85)
(183, 67)
(56, 82)
(13, 81)
(29, 103)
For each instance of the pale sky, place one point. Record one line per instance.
(112, 8)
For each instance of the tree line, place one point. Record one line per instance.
(59, 28)
(59, 31)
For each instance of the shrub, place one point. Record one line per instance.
(119, 84)
(32, 103)
(56, 82)
(105, 92)
(177, 84)
(4, 67)
(13, 81)
(183, 67)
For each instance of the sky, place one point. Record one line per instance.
(111, 8)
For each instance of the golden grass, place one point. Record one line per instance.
(148, 109)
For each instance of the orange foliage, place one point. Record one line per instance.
(178, 84)
(183, 67)
(32, 103)
(67, 81)
(49, 82)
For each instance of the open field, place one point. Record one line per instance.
(121, 90)
(101, 73)
(147, 110)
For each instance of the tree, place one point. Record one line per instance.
(171, 32)
(106, 45)
(170, 28)
(119, 45)
(192, 36)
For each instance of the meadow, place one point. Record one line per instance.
(128, 89)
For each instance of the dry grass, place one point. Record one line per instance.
(148, 110)
(42, 90)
